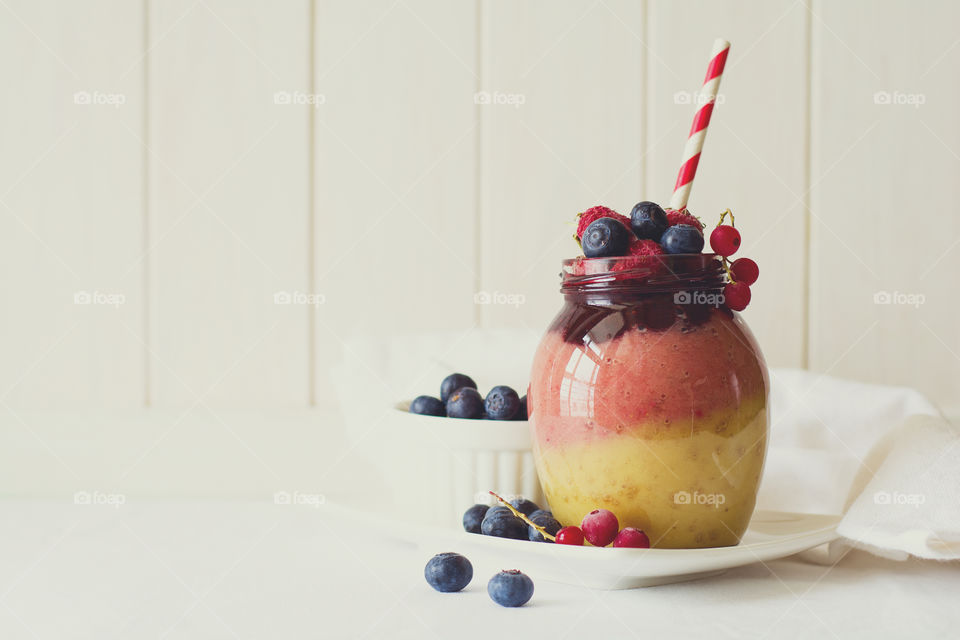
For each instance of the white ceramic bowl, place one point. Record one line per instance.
(439, 467)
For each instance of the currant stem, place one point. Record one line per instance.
(723, 215)
(726, 267)
(520, 515)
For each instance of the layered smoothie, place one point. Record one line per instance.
(648, 398)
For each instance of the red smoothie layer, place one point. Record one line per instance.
(623, 377)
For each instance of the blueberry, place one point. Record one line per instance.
(453, 382)
(540, 512)
(427, 406)
(494, 512)
(605, 237)
(473, 517)
(524, 506)
(648, 221)
(682, 238)
(547, 522)
(522, 411)
(465, 403)
(510, 588)
(504, 525)
(448, 572)
(502, 403)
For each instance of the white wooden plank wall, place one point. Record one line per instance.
(349, 152)
(395, 240)
(229, 202)
(884, 215)
(562, 132)
(754, 159)
(71, 204)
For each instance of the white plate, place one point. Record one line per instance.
(771, 535)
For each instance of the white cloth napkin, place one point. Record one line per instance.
(882, 456)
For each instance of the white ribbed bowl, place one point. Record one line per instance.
(441, 466)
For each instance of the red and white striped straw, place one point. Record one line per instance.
(704, 103)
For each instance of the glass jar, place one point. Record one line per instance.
(648, 397)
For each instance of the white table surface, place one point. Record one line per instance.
(238, 569)
(212, 556)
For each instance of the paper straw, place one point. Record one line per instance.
(698, 132)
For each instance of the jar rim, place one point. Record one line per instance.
(642, 275)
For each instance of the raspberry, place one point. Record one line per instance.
(683, 217)
(600, 527)
(639, 255)
(644, 248)
(595, 213)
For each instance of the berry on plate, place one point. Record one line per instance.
(453, 382)
(682, 238)
(546, 521)
(570, 535)
(510, 588)
(448, 572)
(630, 537)
(522, 411)
(428, 406)
(592, 214)
(648, 221)
(502, 403)
(473, 517)
(494, 511)
(600, 527)
(503, 524)
(605, 237)
(524, 506)
(465, 403)
(725, 240)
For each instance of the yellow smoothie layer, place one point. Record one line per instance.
(692, 488)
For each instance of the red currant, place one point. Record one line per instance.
(725, 240)
(630, 537)
(570, 535)
(600, 527)
(745, 271)
(737, 296)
